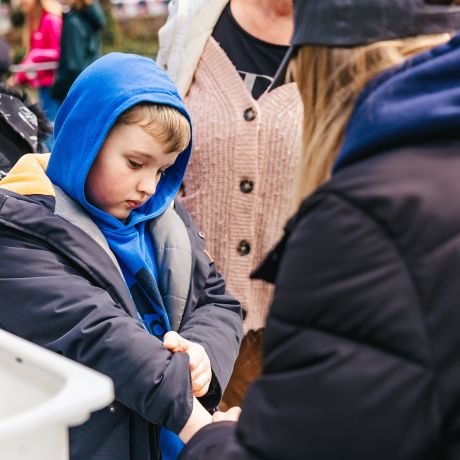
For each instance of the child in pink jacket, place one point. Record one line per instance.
(42, 35)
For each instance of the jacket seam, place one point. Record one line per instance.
(351, 339)
(3, 199)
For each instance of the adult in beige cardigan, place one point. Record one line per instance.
(239, 184)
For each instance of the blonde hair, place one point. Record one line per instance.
(32, 20)
(329, 81)
(52, 6)
(162, 122)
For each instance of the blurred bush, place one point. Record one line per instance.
(137, 35)
(147, 48)
(110, 32)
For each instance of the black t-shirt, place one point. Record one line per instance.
(255, 60)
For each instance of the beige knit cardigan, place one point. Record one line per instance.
(230, 151)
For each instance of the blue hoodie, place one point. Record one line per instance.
(411, 103)
(105, 90)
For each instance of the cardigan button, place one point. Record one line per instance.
(201, 235)
(246, 186)
(249, 114)
(243, 248)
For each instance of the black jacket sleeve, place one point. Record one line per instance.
(347, 367)
(213, 316)
(46, 299)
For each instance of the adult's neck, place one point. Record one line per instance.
(268, 20)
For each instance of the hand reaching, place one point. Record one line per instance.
(200, 366)
(233, 414)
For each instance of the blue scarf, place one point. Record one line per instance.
(105, 90)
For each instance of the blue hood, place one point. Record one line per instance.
(95, 101)
(412, 103)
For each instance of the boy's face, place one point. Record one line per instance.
(126, 171)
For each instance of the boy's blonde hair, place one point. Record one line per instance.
(329, 81)
(166, 124)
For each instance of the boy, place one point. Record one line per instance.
(98, 219)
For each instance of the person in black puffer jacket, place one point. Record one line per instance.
(362, 346)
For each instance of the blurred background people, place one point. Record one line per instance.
(223, 56)
(42, 34)
(362, 351)
(5, 58)
(82, 23)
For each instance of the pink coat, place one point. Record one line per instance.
(44, 47)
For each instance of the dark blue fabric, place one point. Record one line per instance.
(413, 102)
(101, 93)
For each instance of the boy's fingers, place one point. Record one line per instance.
(200, 366)
(200, 393)
(203, 367)
(195, 361)
(200, 385)
(202, 380)
(174, 342)
(171, 340)
(232, 414)
(197, 355)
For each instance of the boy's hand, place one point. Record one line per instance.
(200, 366)
(199, 418)
(233, 414)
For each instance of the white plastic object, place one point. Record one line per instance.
(41, 395)
(33, 66)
